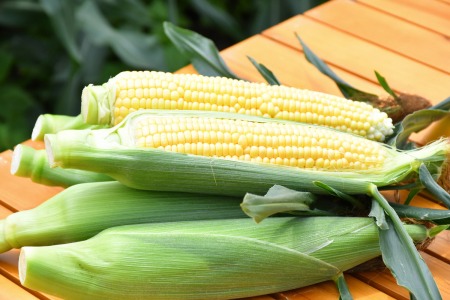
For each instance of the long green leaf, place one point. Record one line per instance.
(344, 291)
(335, 192)
(346, 89)
(201, 51)
(134, 48)
(401, 256)
(444, 104)
(265, 72)
(438, 216)
(385, 85)
(19, 13)
(222, 17)
(62, 16)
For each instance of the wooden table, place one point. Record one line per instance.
(407, 41)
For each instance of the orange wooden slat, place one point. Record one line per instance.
(288, 64)
(328, 290)
(431, 14)
(387, 31)
(4, 212)
(384, 281)
(8, 263)
(12, 291)
(440, 248)
(361, 57)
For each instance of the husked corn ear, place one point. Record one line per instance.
(287, 144)
(32, 163)
(130, 91)
(219, 160)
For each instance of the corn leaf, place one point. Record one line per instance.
(420, 283)
(337, 193)
(385, 85)
(343, 289)
(266, 73)
(134, 48)
(63, 20)
(414, 122)
(377, 212)
(438, 216)
(278, 199)
(431, 185)
(444, 104)
(201, 51)
(401, 256)
(346, 89)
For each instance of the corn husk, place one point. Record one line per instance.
(216, 259)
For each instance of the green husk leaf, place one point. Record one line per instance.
(443, 105)
(414, 122)
(438, 216)
(201, 51)
(412, 274)
(265, 72)
(401, 256)
(377, 212)
(412, 193)
(432, 186)
(344, 291)
(278, 199)
(337, 193)
(386, 86)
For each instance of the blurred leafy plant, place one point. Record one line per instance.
(50, 48)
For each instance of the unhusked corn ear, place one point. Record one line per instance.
(50, 123)
(130, 91)
(122, 153)
(289, 144)
(33, 163)
(217, 259)
(83, 210)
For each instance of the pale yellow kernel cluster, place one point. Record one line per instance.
(275, 143)
(159, 90)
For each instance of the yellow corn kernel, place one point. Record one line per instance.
(162, 90)
(288, 144)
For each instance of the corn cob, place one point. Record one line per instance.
(233, 154)
(48, 123)
(215, 259)
(81, 211)
(130, 91)
(31, 163)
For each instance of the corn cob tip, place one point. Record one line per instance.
(4, 245)
(96, 104)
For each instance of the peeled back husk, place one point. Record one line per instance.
(114, 152)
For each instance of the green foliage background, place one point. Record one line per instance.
(50, 49)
